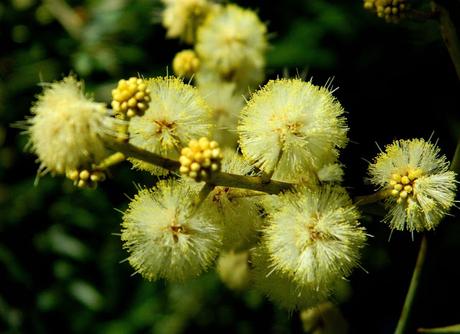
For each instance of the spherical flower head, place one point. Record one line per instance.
(166, 236)
(313, 235)
(226, 105)
(233, 269)
(421, 188)
(186, 63)
(67, 127)
(391, 10)
(238, 213)
(182, 17)
(230, 38)
(200, 159)
(130, 98)
(176, 115)
(292, 128)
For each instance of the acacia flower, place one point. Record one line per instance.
(166, 236)
(313, 235)
(232, 38)
(292, 128)
(182, 17)
(421, 188)
(176, 115)
(67, 127)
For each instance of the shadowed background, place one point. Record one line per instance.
(60, 256)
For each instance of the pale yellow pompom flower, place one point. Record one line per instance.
(182, 17)
(420, 186)
(232, 38)
(313, 235)
(186, 63)
(176, 115)
(391, 10)
(292, 128)
(226, 104)
(67, 127)
(166, 236)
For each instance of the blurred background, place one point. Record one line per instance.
(60, 257)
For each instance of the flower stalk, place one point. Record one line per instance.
(411, 293)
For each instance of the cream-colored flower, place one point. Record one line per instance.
(181, 18)
(230, 39)
(292, 128)
(313, 235)
(176, 114)
(67, 127)
(421, 188)
(166, 236)
(226, 104)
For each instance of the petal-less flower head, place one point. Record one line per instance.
(313, 235)
(226, 105)
(293, 128)
(232, 38)
(67, 127)
(176, 114)
(182, 17)
(422, 189)
(166, 236)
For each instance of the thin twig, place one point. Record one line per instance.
(411, 293)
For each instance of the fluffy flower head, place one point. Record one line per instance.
(166, 236)
(230, 38)
(176, 114)
(291, 128)
(182, 17)
(417, 177)
(314, 236)
(66, 128)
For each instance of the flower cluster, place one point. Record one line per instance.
(292, 129)
(131, 97)
(283, 139)
(421, 186)
(67, 128)
(391, 10)
(200, 159)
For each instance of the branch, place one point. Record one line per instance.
(447, 9)
(411, 293)
(219, 179)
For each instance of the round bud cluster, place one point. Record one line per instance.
(186, 63)
(85, 177)
(200, 159)
(391, 10)
(131, 97)
(402, 185)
